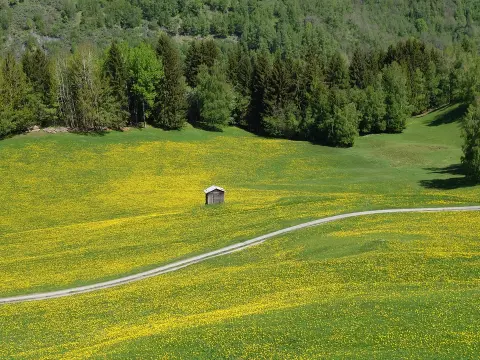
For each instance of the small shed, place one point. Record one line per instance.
(214, 195)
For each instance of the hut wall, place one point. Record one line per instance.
(215, 197)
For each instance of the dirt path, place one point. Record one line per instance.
(220, 252)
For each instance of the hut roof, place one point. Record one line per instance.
(211, 188)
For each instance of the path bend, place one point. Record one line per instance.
(220, 252)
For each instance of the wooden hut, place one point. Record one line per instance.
(214, 195)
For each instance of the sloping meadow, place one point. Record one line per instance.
(80, 209)
(386, 286)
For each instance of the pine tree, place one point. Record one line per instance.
(199, 53)
(116, 73)
(318, 110)
(281, 85)
(281, 117)
(358, 69)
(337, 72)
(243, 72)
(17, 100)
(40, 73)
(471, 147)
(239, 73)
(432, 84)
(209, 52)
(260, 82)
(193, 60)
(419, 93)
(372, 110)
(170, 103)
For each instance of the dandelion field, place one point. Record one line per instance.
(387, 286)
(80, 209)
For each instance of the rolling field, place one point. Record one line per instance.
(81, 209)
(389, 286)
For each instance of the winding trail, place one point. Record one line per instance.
(220, 252)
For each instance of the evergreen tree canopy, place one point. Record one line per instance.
(203, 52)
(116, 72)
(40, 73)
(471, 147)
(17, 100)
(170, 103)
(337, 72)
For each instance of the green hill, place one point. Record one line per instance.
(77, 196)
(87, 208)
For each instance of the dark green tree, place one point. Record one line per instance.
(115, 71)
(170, 104)
(40, 72)
(419, 92)
(193, 60)
(239, 74)
(317, 111)
(435, 98)
(260, 82)
(204, 52)
(17, 99)
(337, 72)
(281, 88)
(471, 147)
(371, 107)
(281, 117)
(358, 69)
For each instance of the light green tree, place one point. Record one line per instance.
(214, 98)
(86, 100)
(145, 73)
(396, 95)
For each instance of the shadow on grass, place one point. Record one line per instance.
(450, 116)
(456, 182)
(201, 126)
(92, 133)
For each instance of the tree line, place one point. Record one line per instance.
(314, 94)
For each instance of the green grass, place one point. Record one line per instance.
(390, 286)
(80, 209)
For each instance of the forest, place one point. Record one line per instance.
(325, 71)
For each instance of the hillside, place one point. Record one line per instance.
(88, 208)
(60, 24)
(77, 196)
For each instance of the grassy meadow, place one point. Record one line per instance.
(79, 209)
(389, 286)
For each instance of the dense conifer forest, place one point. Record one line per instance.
(324, 71)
